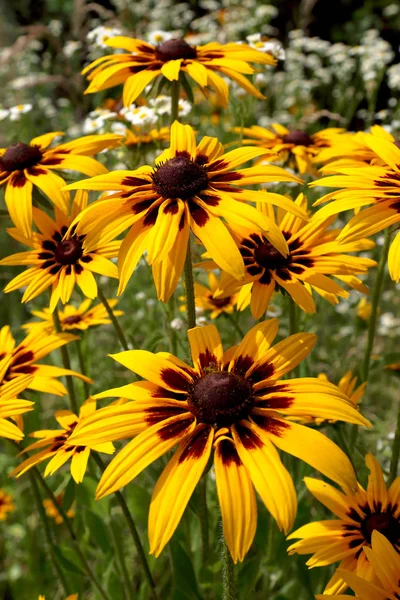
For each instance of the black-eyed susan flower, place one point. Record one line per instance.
(205, 298)
(10, 405)
(191, 187)
(142, 138)
(296, 147)
(143, 63)
(234, 402)
(6, 504)
(23, 166)
(385, 562)
(314, 256)
(53, 444)
(21, 359)
(358, 516)
(73, 318)
(53, 511)
(60, 257)
(376, 184)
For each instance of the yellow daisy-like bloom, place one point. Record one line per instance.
(377, 184)
(6, 505)
(144, 62)
(205, 298)
(295, 146)
(60, 257)
(10, 405)
(190, 188)
(364, 309)
(385, 562)
(234, 402)
(314, 255)
(71, 318)
(375, 508)
(53, 512)
(53, 444)
(23, 166)
(138, 138)
(21, 359)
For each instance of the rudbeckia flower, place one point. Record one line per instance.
(143, 63)
(23, 166)
(60, 257)
(21, 359)
(385, 562)
(6, 504)
(359, 515)
(205, 298)
(10, 405)
(377, 184)
(53, 511)
(53, 444)
(295, 146)
(314, 256)
(71, 318)
(191, 187)
(141, 138)
(235, 403)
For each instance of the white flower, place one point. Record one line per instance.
(177, 324)
(15, 112)
(99, 35)
(118, 128)
(71, 47)
(139, 115)
(140, 296)
(161, 104)
(184, 107)
(157, 37)
(4, 113)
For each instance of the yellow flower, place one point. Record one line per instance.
(205, 298)
(53, 512)
(314, 256)
(359, 515)
(53, 444)
(23, 166)
(191, 187)
(364, 309)
(234, 402)
(10, 405)
(6, 504)
(295, 146)
(138, 138)
(71, 318)
(60, 257)
(145, 62)
(22, 360)
(375, 184)
(385, 562)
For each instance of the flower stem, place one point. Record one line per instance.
(129, 590)
(132, 528)
(47, 532)
(394, 461)
(293, 322)
(376, 296)
(82, 367)
(75, 543)
(175, 88)
(228, 574)
(189, 289)
(67, 365)
(204, 519)
(117, 327)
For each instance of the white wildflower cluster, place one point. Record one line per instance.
(157, 36)
(71, 47)
(14, 113)
(393, 74)
(162, 106)
(374, 55)
(139, 116)
(98, 36)
(95, 121)
(269, 46)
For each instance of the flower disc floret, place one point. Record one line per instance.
(20, 156)
(179, 177)
(298, 137)
(385, 523)
(220, 398)
(175, 49)
(269, 257)
(68, 252)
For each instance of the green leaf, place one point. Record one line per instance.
(69, 495)
(185, 583)
(187, 87)
(98, 531)
(66, 557)
(248, 577)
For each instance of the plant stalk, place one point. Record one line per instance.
(189, 289)
(117, 327)
(67, 365)
(82, 367)
(228, 574)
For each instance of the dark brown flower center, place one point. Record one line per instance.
(68, 252)
(267, 256)
(298, 137)
(179, 177)
(220, 302)
(174, 49)
(397, 143)
(220, 398)
(385, 523)
(20, 156)
(72, 320)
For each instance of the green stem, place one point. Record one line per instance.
(129, 590)
(132, 528)
(82, 367)
(47, 532)
(67, 365)
(202, 486)
(175, 88)
(235, 324)
(117, 327)
(293, 322)
(394, 461)
(189, 289)
(75, 543)
(376, 296)
(228, 574)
